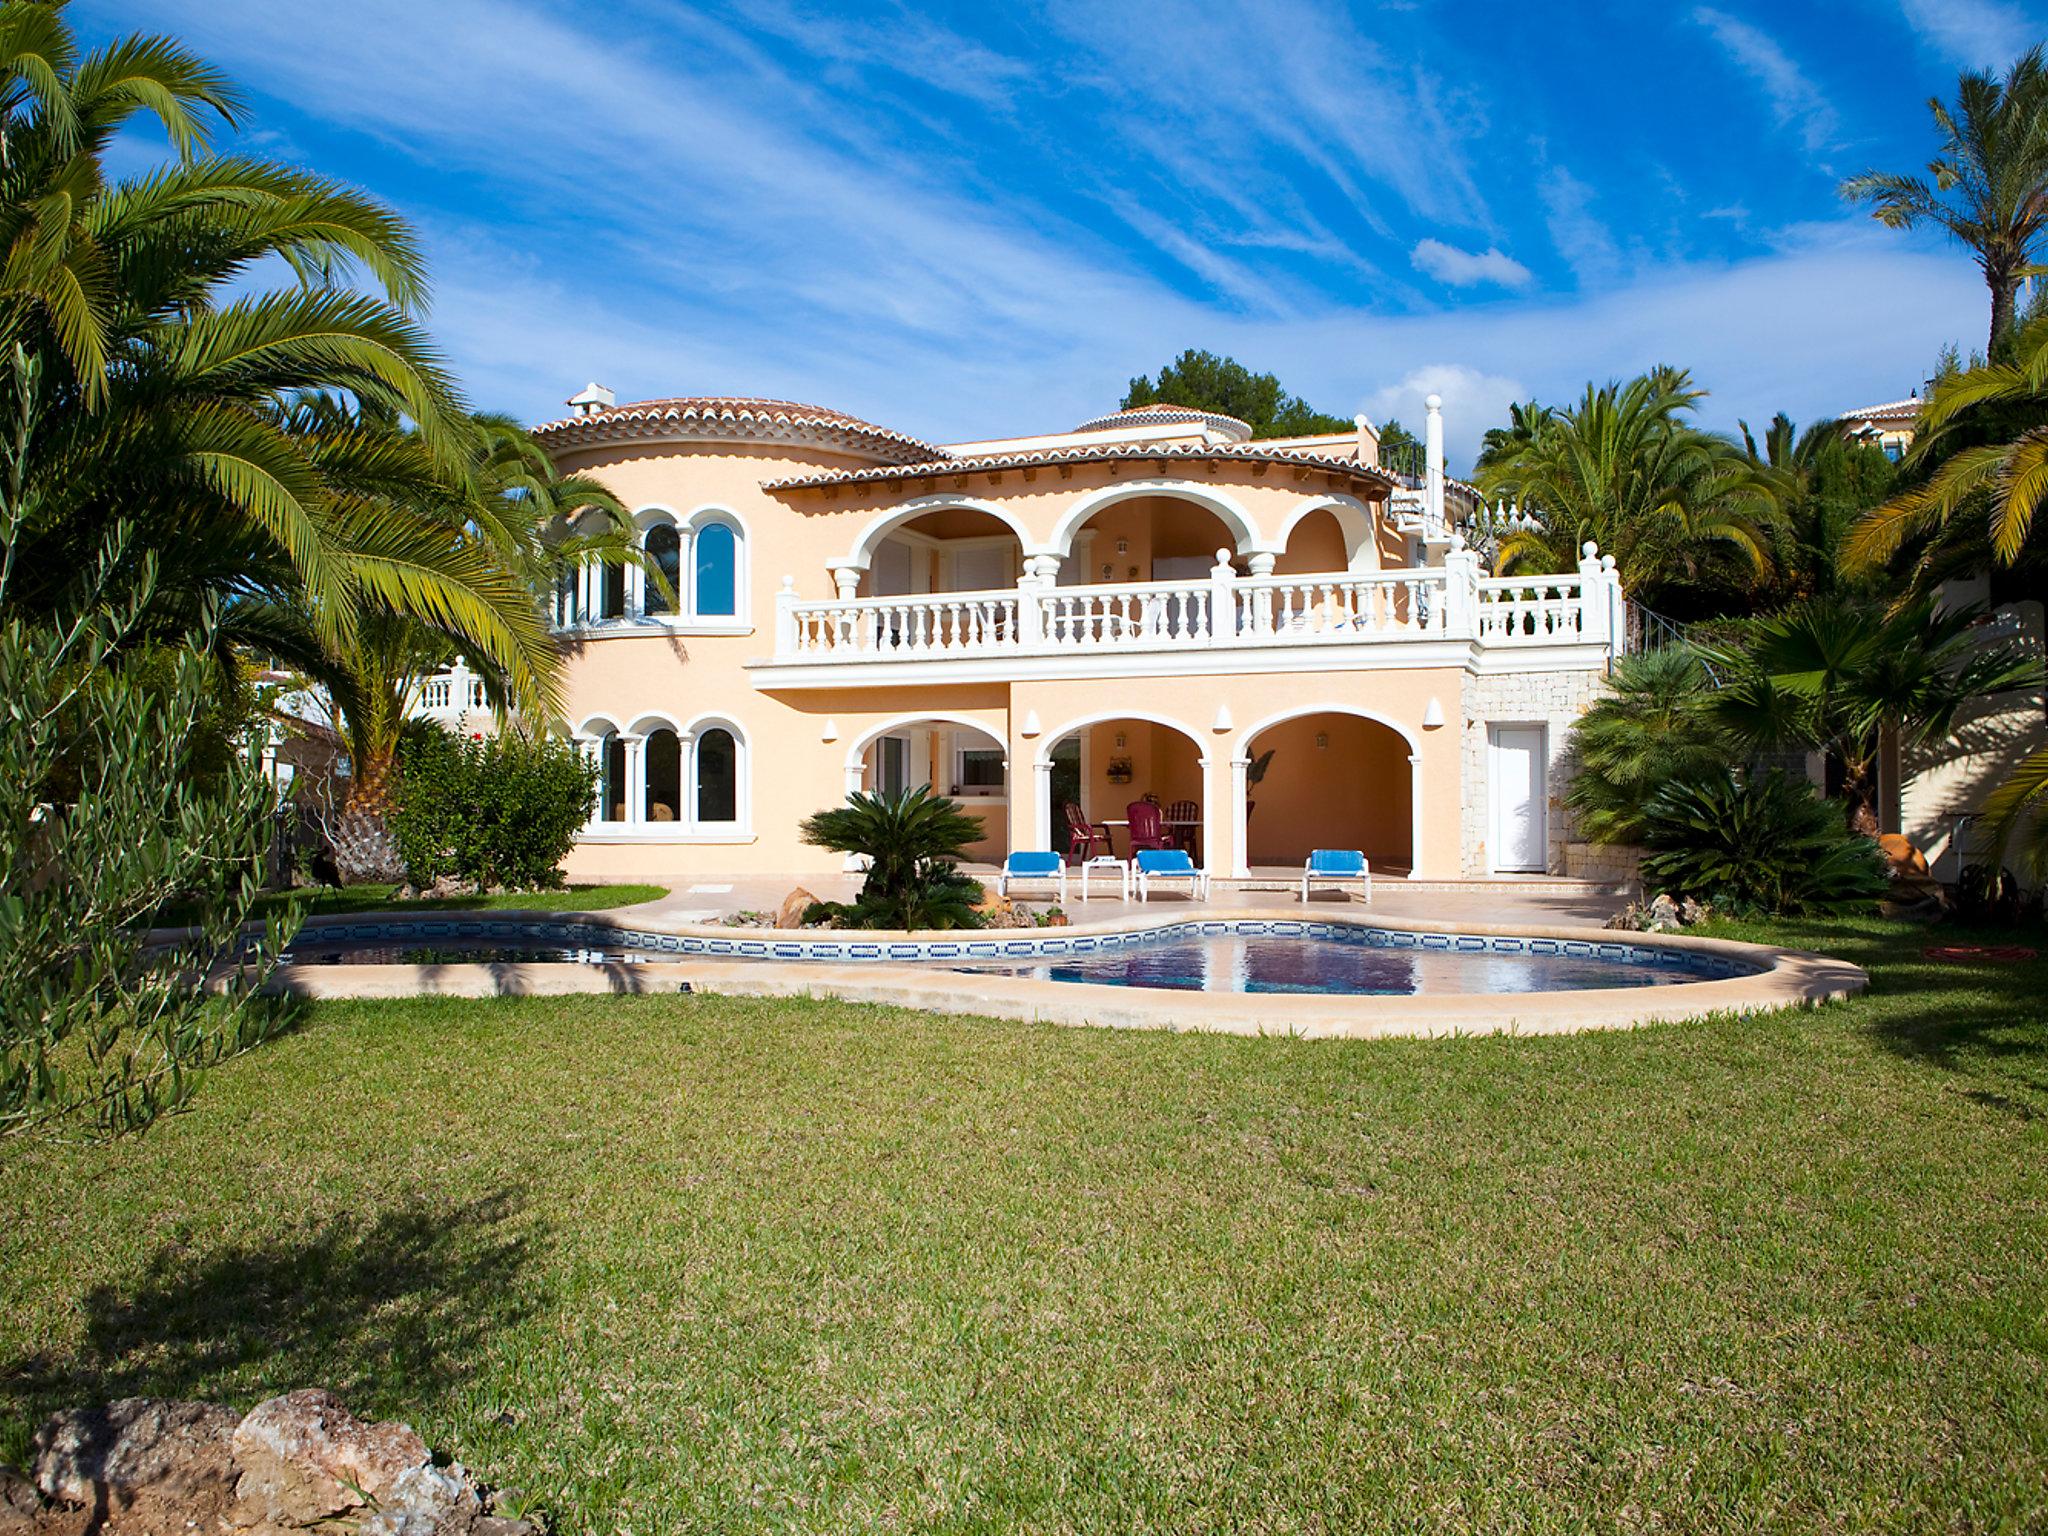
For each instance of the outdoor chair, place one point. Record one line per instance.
(1033, 866)
(1338, 867)
(1083, 834)
(1148, 826)
(1171, 866)
(1189, 837)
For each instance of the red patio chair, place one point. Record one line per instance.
(1148, 827)
(1190, 836)
(1082, 835)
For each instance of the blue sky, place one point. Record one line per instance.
(967, 220)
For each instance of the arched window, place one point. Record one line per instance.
(612, 598)
(717, 776)
(665, 554)
(717, 585)
(611, 778)
(664, 777)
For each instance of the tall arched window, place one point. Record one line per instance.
(612, 596)
(664, 777)
(611, 779)
(717, 575)
(717, 776)
(665, 554)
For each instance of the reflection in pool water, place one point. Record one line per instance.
(1258, 963)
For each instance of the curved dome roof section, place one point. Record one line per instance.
(1154, 415)
(736, 418)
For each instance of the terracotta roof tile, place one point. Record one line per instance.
(1233, 453)
(740, 417)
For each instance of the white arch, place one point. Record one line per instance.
(716, 512)
(856, 754)
(1240, 759)
(1234, 516)
(654, 514)
(1354, 519)
(885, 523)
(1049, 739)
(596, 726)
(710, 718)
(692, 737)
(1041, 769)
(652, 721)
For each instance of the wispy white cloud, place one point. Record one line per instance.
(1464, 269)
(1796, 102)
(1584, 241)
(1973, 34)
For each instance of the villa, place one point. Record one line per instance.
(1282, 644)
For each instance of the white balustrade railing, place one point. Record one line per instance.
(1536, 610)
(1135, 614)
(939, 624)
(1341, 606)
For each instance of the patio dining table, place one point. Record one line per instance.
(1191, 830)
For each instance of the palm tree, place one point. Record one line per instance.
(1626, 469)
(1654, 724)
(1819, 484)
(172, 379)
(1840, 675)
(1989, 187)
(1525, 421)
(911, 841)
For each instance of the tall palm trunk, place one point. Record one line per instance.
(364, 849)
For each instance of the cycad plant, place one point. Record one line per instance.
(1756, 842)
(912, 841)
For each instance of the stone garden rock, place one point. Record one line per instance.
(791, 913)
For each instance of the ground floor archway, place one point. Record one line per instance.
(1328, 778)
(1103, 767)
(953, 755)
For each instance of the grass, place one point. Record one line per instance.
(381, 898)
(691, 1264)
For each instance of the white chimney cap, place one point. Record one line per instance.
(594, 398)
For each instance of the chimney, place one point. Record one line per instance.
(595, 398)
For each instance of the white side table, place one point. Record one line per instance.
(1108, 861)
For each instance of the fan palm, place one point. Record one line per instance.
(1654, 724)
(1842, 676)
(1819, 484)
(1625, 469)
(911, 840)
(1989, 186)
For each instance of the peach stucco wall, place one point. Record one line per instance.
(799, 744)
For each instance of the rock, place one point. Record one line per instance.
(791, 913)
(1691, 911)
(86, 1455)
(426, 1501)
(1663, 915)
(304, 1457)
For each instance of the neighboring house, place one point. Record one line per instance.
(1144, 605)
(1935, 795)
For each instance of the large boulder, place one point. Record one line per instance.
(791, 913)
(109, 1454)
(303, 1457)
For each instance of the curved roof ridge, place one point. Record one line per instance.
(742, 417)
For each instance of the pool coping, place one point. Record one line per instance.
(1787, 978)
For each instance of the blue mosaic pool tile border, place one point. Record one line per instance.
(848, 950)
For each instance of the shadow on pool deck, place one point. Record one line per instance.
(388, 1313)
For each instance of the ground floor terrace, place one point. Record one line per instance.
(1434, 774)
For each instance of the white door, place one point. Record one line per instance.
(1516, 772)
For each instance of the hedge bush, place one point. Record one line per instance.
(498, 812)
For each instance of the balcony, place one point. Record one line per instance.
(1423, 616)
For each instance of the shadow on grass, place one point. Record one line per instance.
(1976, 1017)
(390, 1313)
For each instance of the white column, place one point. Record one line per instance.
(1041, 574)
(636, 593)
(1222, 600)
(686, 572)
(1240, 836)
(586, 596)
(1041, 800)
(785, 618)
(1433, 459)
(686, 783)
(1461, 590)
(636, 778)
(593, 754)
(1596, 611)
(1416, 858)
(846, 580)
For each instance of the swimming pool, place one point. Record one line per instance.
(1218, 956)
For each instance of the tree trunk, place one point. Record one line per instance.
(364, 849)
(2004, 289)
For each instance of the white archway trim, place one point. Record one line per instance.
(1233, 515)
(856, 755)
(654, 514)
(1355, 520)
(879, 528)
(742, 763)
(596, 726)
(654, 720)
(1241, 757)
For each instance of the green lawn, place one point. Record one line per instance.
(378, 898)
(690, 1264)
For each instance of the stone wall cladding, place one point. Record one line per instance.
(1552, 699)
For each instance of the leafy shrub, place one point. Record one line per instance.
(1653, 727)
(911, 841)
(498, 812)
(1749, 842)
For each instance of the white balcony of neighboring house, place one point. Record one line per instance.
(453, 698)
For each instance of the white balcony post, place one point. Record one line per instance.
(1040, 573)
(1261, 563)
(636, 778)
(1240, 824)
(1222, 600)
(1433, 462)
(1461, 589)
(1041, 801)
(785, 618)
(1596, 612)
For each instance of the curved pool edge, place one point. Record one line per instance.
(1787, 978)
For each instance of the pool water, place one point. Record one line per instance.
(1260, 963)
(1361, 963)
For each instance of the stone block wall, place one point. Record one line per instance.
(1553, 699)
